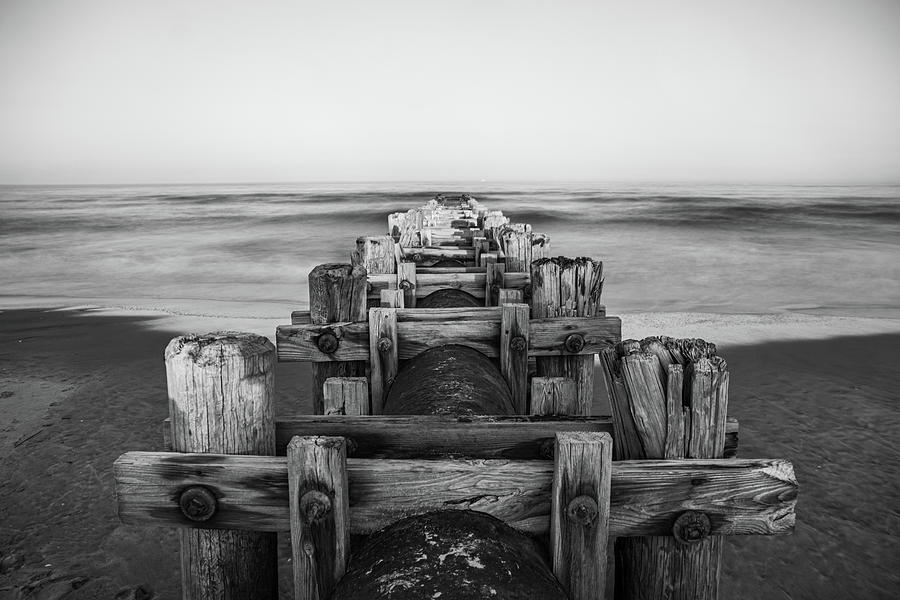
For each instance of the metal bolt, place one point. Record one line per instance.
(405, 285)
(691, 527)
(574, 343)
(314, 505)
(527, 291)
(197, 503)
(417, 258)
(328, 342)
(582, 510)
(385, 344)
(518, 343)
(495, 288)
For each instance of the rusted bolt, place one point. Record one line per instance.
(518, 343)
(574, 343)
(527, 291)
(405, 285)
(197, 503)
(328, 342)
(495, 288)
(385, 344)
(314, 505)
(691, 527)
(582, 510)
(417, 258)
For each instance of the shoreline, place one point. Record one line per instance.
(90, 385)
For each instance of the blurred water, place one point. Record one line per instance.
(246, 250)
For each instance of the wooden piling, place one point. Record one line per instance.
(383, 354)
(376, 254)
(406, 281)
(493, 283)
(514, 338)
(337, 293)
(672, 413)
(553, 396)
(565, 287)
(320, 514)
(222, 400)
(516, 241)
(346, 396)
(579, 517)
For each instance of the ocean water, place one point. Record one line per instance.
(245, 250)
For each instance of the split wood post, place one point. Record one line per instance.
(516, 239)
(337, 293)
(579, 514)
(320, 514)
(552, 396)
(221, 390)
(514, 340)
(376, 254)
(346, 396)
(510, 296)
(566, 287)
(668, 413)
(406, 281)
(392, 298)
(383, 354)
(493, 283)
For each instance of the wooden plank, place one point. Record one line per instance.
(319, 514)
(391, 299)
(493, 283)
(375, 253)
(548, 337)
(336, 293)
(579, 514)
(432, 253)
(472, 283)
(486, 258)
(552, 396)
(222, 399)
(300, 317)
(518, 281)
(445, 270)
(346, 396)
(508, 296)
(514, 336)
(740, 496)
(406, 281)
(383, 354)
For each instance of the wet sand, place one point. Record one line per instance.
(77, 390)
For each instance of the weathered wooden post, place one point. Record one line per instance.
(337, 293)
(320, 514)
(346, 396)
(669, 400)
(566, 287)
(222, 400)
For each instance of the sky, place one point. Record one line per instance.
(159, 91)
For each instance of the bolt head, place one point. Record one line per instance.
(328, 342)
(582, 510)
(574, 343)
(405, 285)
(385, 344)
(691, 527)
(518, 343)
(314, 505)
(198, 503)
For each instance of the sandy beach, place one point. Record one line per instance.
(78, 389)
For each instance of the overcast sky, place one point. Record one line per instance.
(654, 90)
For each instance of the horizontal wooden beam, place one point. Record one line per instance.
(427, 436)
(548, 337)
(738, 496)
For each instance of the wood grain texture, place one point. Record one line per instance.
(383, 354)
(740, 496)
(337, 293)
(493, 282)
(320, 529)
(516, 243)
(221, 399)
(514, 336)
(391, 299)
(406, 281)
(344, 396)
(552, 396)
(375, 254)
(508, 296)
(579, 513)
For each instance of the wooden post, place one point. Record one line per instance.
(564, 287)
(514, 339)
(486, 258)
(376, 254)
(222, 400)
(337, 293)
(516, 243)
(396, 225)
(392, 298)
(579, 517)
(540, 246)
(383, 355)
(481, 244)
(320, 514)
(346, 396)
(552, 396)
(493, 283)
(510, 296)
(652, 421)
(406, 281)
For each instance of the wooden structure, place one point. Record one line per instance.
(550, 469)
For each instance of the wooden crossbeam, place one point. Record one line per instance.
(429, 436)
(479, 330)
(472, 280)
(738, 496)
